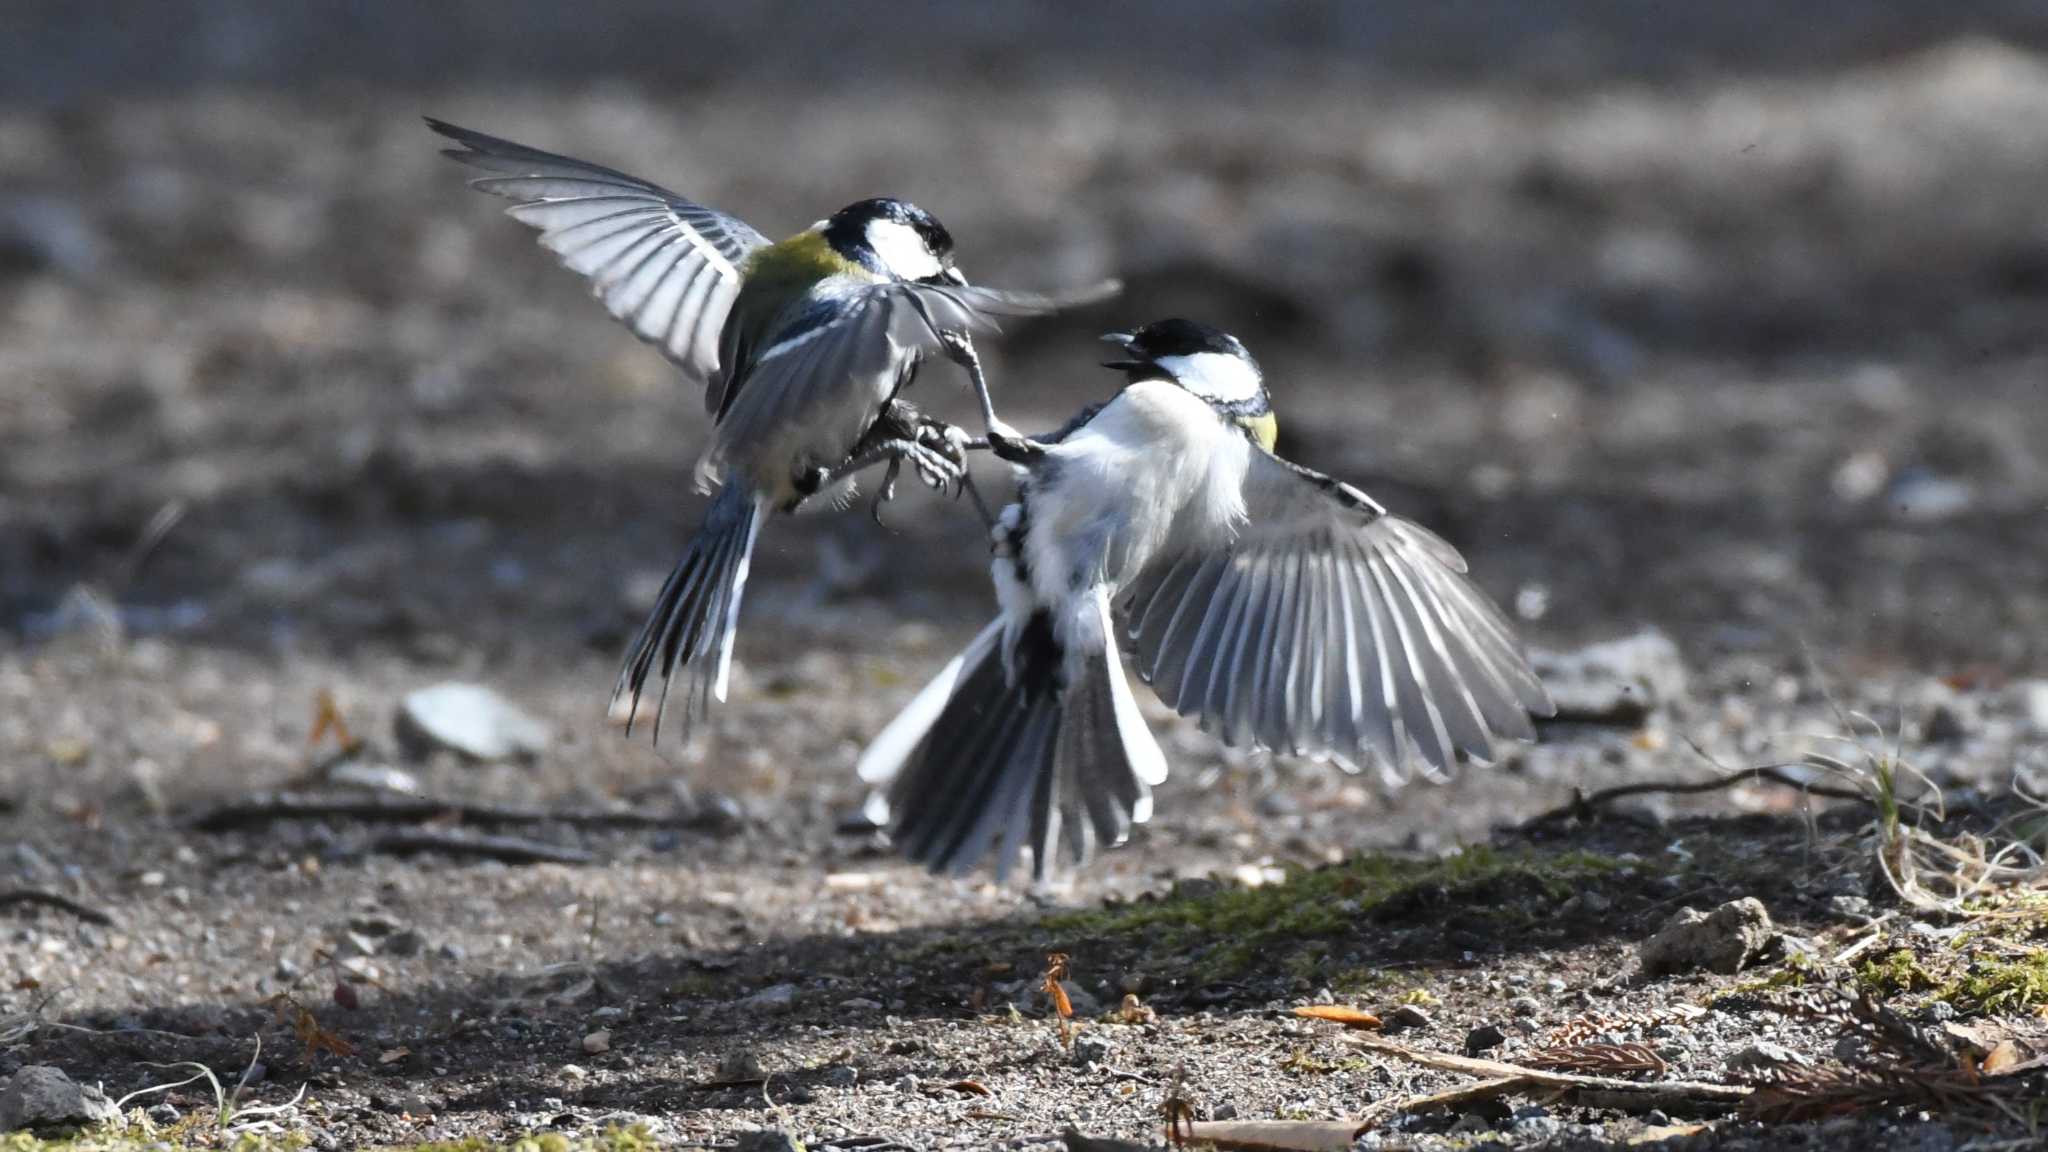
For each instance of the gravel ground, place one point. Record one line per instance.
(1745, 351)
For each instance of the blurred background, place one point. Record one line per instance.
(1728, 320)
(1717, 329)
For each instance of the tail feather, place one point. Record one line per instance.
(696, 614)
(984, 760)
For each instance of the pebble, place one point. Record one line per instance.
(1407, 1016)
(470, 720)
(2033, 699)
(1763, 1055)
(405, 942)
(767, 1140)
(598, 1041)
(840, 1076)
(1091, 1048)
(1484, 1038)
(740, 1064)
(1944, 726)
(1855, 909)
(775, 998)
(40, 1096)
(1525, 1006)
(1721, 941)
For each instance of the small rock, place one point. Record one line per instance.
(574, 1072)
(1764, 1055)
(164, 1115)
(1924, 496)
(286, 969)
(598, 1041)
(840, 1076)
(404, 942)
(372, 778)
(1277, 805)
(1944, 726)
(740, 1066)
(907, 1085)
(861, 1004)
(1721, 941)
(775, 998)
(1615, 681)
(39, 1096)
(1091, 1048)
(355, 944)
(1525, 1006)
(1084, 1002)
(767, 1140)
(1849, 1049)
(2033, 700)
(1405, 1017)
(397, 1103)
(1484, 1038)
(470, 720)
(1854, 909)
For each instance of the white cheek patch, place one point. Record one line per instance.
(1214, 376)
(902, 250)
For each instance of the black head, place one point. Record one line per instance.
(893, 238)
(1207, 361)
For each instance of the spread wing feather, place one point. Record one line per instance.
(665, 266)
(1324, 626)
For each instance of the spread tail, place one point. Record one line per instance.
(1000, 754)
(697, 612)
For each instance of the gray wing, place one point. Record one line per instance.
(1326, 627)
(667, 267)
(848, 345)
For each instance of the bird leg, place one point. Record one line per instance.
(899, 434)
(959, 348)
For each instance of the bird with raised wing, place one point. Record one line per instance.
(803, 347)
(1283, 608)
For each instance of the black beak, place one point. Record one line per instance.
(953, 275)
(1123, 340)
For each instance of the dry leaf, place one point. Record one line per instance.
(327, 718)
(27, 984)
(345, 995)
(393, 1055)
(969, 1087)
(2002, 1056)
(1056, 971)
(1338, 1014)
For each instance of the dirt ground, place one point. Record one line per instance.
(1745, 345)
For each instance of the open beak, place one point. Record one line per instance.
(1123, 340)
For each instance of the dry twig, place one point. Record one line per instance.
(1631, 1095)
(458, 842)
(270, 807)
(40, 898)
(1584, 804)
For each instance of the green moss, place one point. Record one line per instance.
(1237, 930)
(2005, 985)
(1896, 973)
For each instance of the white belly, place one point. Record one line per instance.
(1154, 467)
